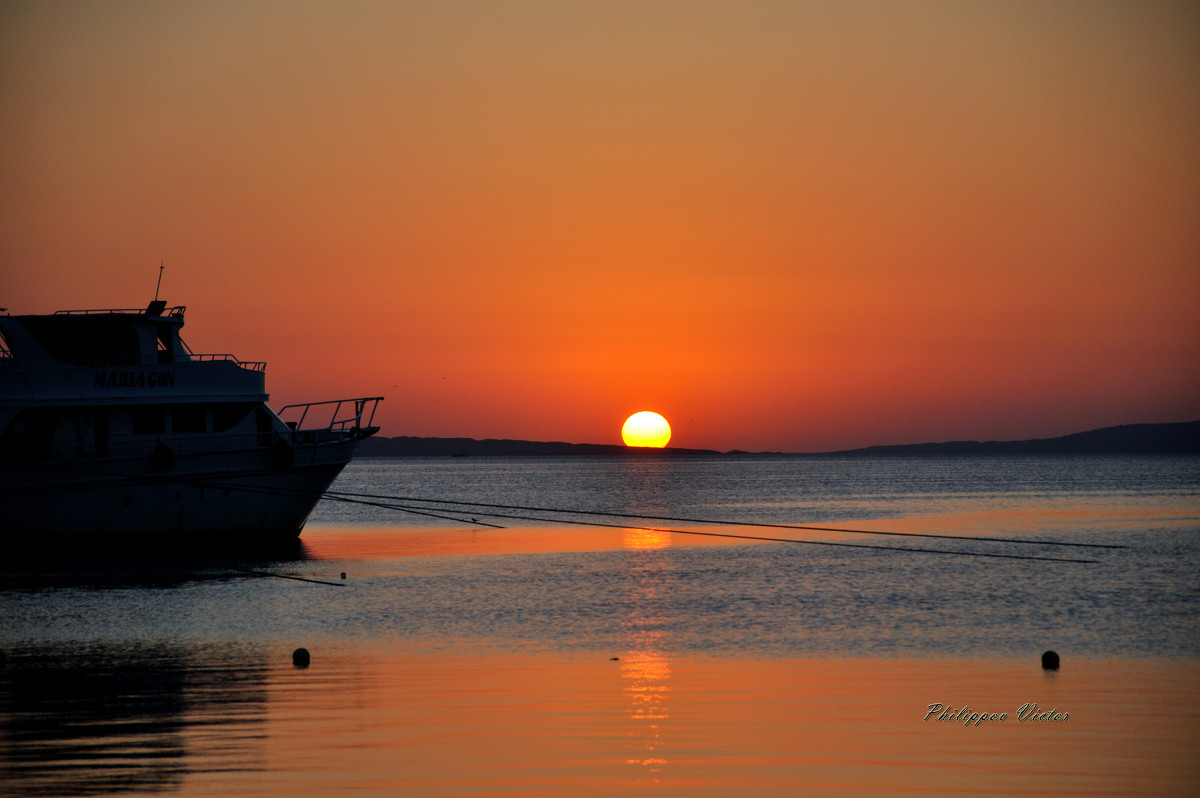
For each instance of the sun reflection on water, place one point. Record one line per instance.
(646, 539)
(648, 674)
(645, 666)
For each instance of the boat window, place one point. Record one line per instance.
(4, 351)
(29, 430)
(264, 419)
(102, 432)
(120, 422)
(228, 416)
(149, 421)
(166, 343)
(87, 339)
(187, 419)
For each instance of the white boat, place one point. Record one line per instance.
(111, 426)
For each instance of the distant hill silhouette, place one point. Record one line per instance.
(407, 446)
(1181, 438)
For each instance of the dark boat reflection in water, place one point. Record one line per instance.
(121, 717)
(137, 712)
(153, 563)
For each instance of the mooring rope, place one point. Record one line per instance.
(224, 567)
(765, 538)
(719, 522)
(414, 511)
(490, 512)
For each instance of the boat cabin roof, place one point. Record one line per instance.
(111, 335)
(116, 357)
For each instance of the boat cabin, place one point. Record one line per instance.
(94, 383)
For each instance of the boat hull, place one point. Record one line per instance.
(249, 496)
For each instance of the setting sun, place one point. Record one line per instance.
(646, 429)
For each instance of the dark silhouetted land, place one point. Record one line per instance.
(406, 446)
(1181, 438)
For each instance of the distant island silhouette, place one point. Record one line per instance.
(1178, 438)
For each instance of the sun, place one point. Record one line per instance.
(646, 429)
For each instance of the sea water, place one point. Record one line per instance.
(952, 594)
(485, 642)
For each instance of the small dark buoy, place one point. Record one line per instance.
(300, 658)
(614, 659)
(343, 574)
(1050, 661)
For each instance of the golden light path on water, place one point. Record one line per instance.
(645, 666)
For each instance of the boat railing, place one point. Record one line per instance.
(113, 361)
(248, 365)
(334, 416)
(178, 310)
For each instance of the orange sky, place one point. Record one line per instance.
(783, 225)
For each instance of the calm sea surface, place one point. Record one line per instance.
(504, 647)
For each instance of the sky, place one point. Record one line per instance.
(785, 226)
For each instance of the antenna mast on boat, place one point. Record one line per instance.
(160, 271)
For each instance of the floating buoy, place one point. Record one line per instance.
(1050, 661)
(343, 574)
(300, 658)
